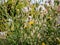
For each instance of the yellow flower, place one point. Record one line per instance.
(43, 43)
(31, 22)
(28, 24)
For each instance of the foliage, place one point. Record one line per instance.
(28, 28)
